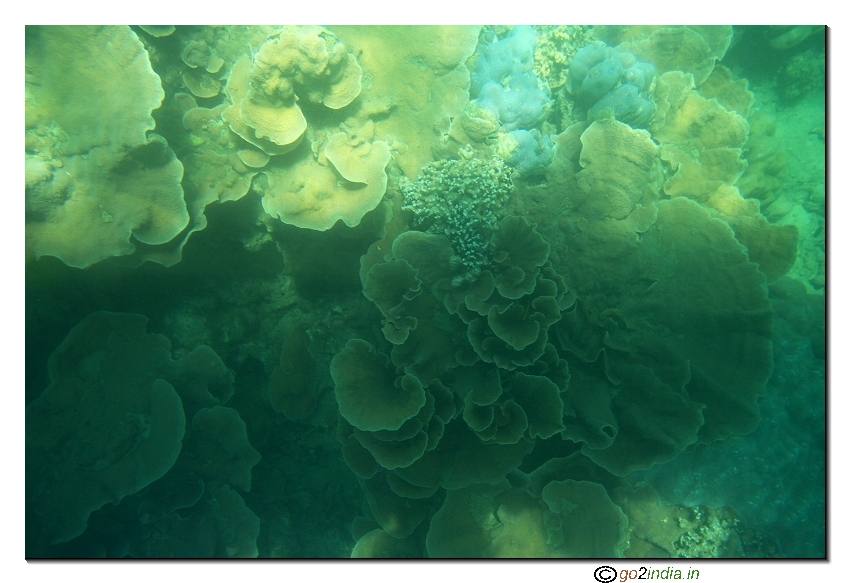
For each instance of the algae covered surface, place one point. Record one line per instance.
(425, 291)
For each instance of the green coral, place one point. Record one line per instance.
(556, 47)
(461, 199)
(803, 74)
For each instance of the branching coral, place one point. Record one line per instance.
(568, 309)
(462, 199)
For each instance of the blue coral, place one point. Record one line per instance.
(503, 82)
(520, 105)
(500, 60)
(600, 80)
(585, 59)
(624, 104)
(533, 154)
(611, 83)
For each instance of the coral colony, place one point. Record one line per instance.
(530, 291)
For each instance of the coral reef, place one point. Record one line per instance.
(473, 292)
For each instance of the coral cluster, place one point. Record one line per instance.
(264, 89)
(95, 179)
(119, 414)
(504, 84)
(611, 83)
(556, 48)
(513, 274)
(461, 199)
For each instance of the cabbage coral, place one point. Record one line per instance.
(95, 179)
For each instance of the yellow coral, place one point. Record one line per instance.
(94, 177)
(416, 80)
(311, 195)
(262, 90)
